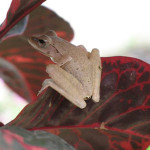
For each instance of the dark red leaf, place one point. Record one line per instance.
(15, 138)
(17, 10)
(97, 139)
(12, 76)
(1, 124)
(31, 63)
(123, 111)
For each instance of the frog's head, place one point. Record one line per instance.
(49, 44)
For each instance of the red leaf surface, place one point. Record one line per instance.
(43, 19)
(28, 61)
(31, 63)
(18, 9)
(15, 138)
(97, 139)
(121, 119)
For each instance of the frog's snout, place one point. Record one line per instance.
(32, 41)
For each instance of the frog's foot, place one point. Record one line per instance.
(64, 83)
(45, 85)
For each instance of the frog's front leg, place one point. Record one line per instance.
(64, 59)
(97, 69)
(66, 84)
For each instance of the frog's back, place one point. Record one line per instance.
(81, 68)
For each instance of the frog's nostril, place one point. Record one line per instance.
(38, 40)
(35, 39)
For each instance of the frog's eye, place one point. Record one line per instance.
(42, 42)
(38, 42)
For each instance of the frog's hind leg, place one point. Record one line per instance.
(66, 84)
(97, 69)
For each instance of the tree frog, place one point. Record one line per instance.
(76, 73)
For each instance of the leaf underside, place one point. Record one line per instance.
(15, 138)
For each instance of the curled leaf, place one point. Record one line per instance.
(18, 9)
(18, 29)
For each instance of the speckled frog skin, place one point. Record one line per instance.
(76, 74)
